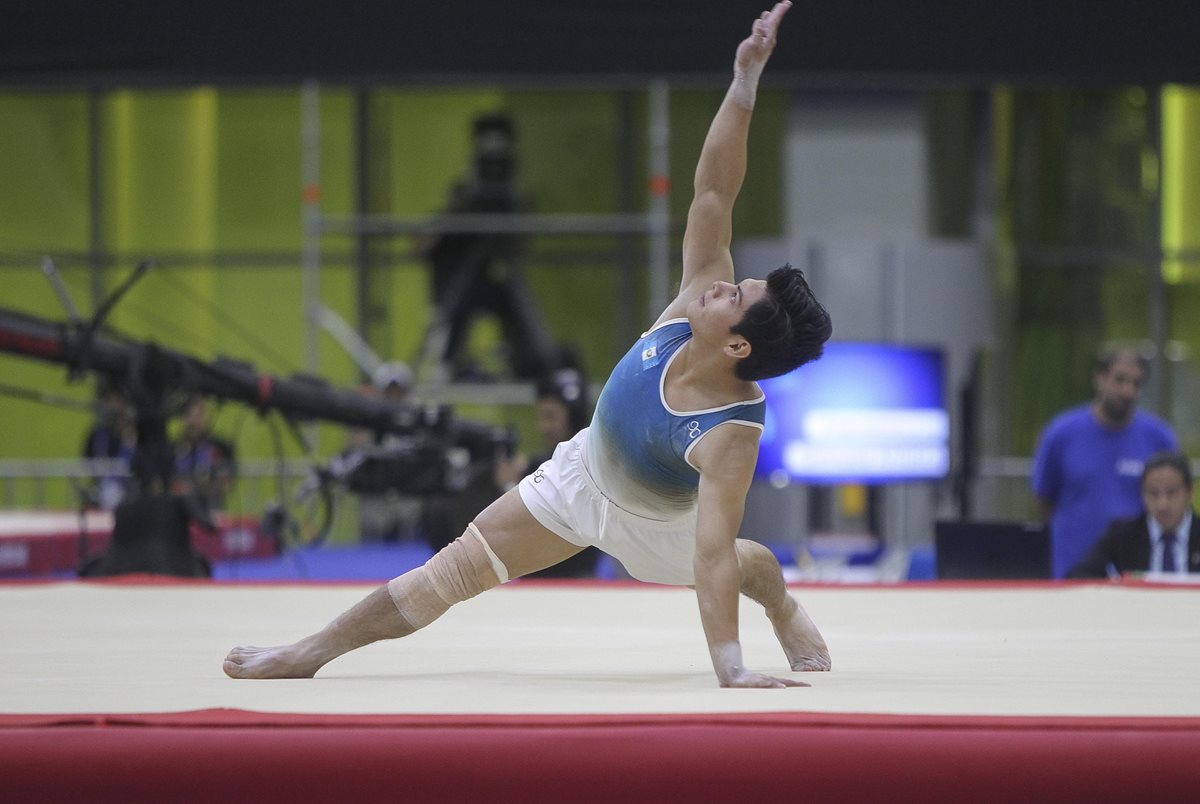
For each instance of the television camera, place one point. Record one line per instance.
(437, 458)
(417, 449)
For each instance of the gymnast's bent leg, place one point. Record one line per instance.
(762, 582)
(517, 544)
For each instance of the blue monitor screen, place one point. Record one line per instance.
(864, 412)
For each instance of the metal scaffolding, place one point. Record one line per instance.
(655, 223)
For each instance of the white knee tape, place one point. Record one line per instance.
(497, 565)
(458, 572)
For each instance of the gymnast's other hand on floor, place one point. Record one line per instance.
(748, 679)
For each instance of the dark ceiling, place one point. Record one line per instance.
(1057, 41)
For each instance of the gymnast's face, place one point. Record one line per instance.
(722, 305)
(1166, 496)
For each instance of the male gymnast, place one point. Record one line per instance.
(659, 479)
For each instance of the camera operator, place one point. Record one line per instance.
(477, 273)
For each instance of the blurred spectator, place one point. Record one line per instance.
(393, 381)
(113, 437)
(204, 464)
(1089, 459)
(561, 410)
(1166, 538)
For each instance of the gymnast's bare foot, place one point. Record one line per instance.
(801, 641)
(286, 661)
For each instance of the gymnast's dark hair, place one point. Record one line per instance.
(785, 329)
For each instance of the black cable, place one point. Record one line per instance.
(87, 332)
(324, 486)
(166, 326)
(30, 395)
(227, 320)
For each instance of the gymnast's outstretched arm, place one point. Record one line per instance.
(722, 168)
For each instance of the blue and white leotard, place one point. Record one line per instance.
(637, 446)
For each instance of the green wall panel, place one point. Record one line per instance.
(190, 175)
(44, 172)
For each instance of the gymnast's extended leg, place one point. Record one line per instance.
(516, 544)
(762, 582)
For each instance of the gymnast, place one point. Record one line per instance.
(659, 479)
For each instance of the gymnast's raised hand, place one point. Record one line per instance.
(755, 49)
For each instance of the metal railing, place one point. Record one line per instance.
(61, 482)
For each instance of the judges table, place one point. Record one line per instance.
(39, 543)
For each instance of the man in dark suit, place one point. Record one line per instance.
(1166, 538)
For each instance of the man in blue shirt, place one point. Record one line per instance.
(660, 478)
(1089, 459)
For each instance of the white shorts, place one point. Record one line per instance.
(563, 497)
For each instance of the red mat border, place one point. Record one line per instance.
(142, 579)
(245, 718)
(666, 758)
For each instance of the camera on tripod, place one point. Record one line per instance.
(439, 456)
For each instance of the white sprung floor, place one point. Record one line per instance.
(530, 648)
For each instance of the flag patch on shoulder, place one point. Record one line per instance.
(650, 355)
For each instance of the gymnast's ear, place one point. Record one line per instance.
(737, 347)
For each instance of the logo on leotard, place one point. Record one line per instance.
(651, 356)
(693, 428)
